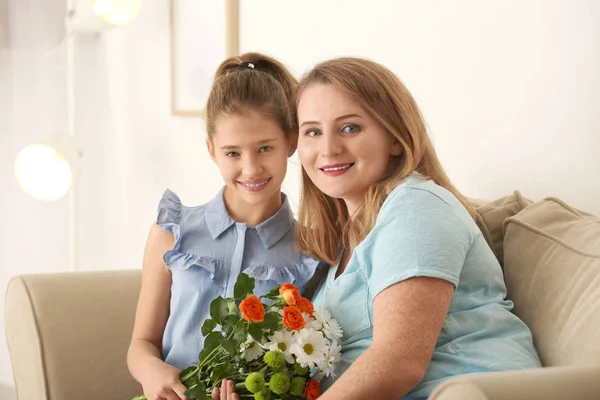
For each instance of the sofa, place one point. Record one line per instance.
(68, 333)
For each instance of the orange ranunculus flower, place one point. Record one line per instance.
(288, 286)
(305, 306)
(292, 318)
(252, 309)
(289, 297)
(312, 390)
(290, 293)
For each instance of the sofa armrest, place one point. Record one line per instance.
(552, 383)
(68, 334)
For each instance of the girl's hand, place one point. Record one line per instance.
(162, 382)
(226, 392)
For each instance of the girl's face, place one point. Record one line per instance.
(251, 151)
(342, 148)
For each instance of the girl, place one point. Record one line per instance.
(417, 290)
(194, 254)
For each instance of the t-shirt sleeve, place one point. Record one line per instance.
(417, 234)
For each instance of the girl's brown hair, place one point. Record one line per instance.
(324, 222)
(253, 82)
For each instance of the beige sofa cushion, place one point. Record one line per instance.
(492, 215)
(68, 334)
(552, 272)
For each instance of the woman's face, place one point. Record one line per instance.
(343, 149)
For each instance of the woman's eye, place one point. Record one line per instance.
(233, 154)
(264, 149)
(312, 132)
(351, 128)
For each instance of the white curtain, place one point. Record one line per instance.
(33, 234)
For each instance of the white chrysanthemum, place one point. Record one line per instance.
(310, 347)
(327, 366)
(282, 341)
(307, 318)
(314, 323)
(331, 328)
(251, 349)
(311, 323)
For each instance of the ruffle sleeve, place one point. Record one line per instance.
(299, 274)
(169, 218)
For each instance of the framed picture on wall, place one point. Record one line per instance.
(203, 34)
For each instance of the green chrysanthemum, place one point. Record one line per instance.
(279, 383)
(255, 382)
(297, 386)
(300, 370)
(264, 395)
(275, 360)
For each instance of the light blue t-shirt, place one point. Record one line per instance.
(423, 230)
(210, 250)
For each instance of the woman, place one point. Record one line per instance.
(417, 290)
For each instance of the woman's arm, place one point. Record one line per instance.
(407, 321)
(144, 356)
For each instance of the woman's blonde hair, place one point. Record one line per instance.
(253, 82)
(324, 223)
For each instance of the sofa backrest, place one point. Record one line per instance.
(491, 217)
(68, 334)
(552, 273)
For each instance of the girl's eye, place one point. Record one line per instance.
(312, 132)
(233, 154)
(264, 149)
(351, 128)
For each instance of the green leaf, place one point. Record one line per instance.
(205, 352)
(188, 376)
(186, 371)
(208, 327)
(232, 306)
(240, 335)
(231, 320)
(229, 323)
(191, 381)
(212, 341)
(218, 373)
(255, 331)
(243, 287)
(197, 392)
(272, 321)
(275, 291)
(219, 310)
(228, 345)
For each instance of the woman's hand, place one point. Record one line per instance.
(226, 392)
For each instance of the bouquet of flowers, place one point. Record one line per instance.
(277, 349)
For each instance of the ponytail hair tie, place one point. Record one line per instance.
(247, 64)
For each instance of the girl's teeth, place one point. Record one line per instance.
(255, 184)
(337, 168)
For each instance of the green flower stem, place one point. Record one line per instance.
(210, 355)
(209, 393)
(191, 373)
(215, 350)
(236, 376)
(278, 303)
